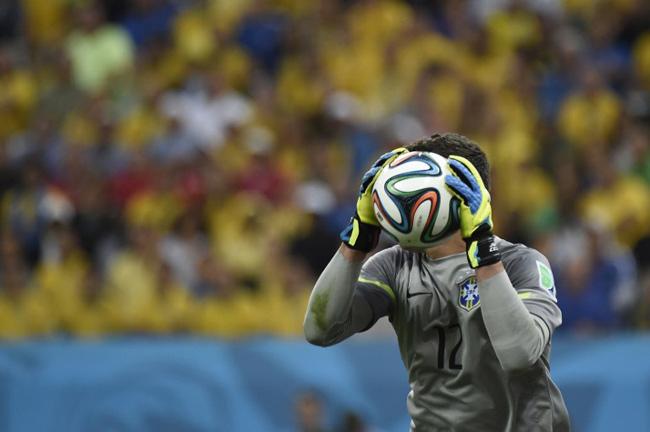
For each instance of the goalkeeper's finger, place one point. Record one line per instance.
(369, 178)
(469, 197)
(383, 159)
(458, 188)
(463, 172)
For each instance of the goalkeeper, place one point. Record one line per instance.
(473, 316)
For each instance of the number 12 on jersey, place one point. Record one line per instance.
(453, 337)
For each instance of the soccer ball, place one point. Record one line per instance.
(412, 203)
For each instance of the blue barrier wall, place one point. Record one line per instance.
(203, 385)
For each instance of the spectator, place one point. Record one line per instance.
(45, 23)
(149, 20)
(99, 52)
(352, 422)
(18, 95)
(132, 280)
(595, 285)
(185, 248)
(309, 413)
(209, 112)
(9, 19)
(28, 208)
(61, 271)
(23, 311)
(590, 116)
(89, 315)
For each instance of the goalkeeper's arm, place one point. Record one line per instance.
(336, 310)
(518, 337)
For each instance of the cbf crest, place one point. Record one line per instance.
(468, 297)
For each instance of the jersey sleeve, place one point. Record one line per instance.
(532, 278)
(376, 283)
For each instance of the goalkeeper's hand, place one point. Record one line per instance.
(475, 212)
(362, 233)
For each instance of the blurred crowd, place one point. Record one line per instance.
(186, 166)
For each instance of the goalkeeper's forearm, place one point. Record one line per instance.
(335, 312)
(518, 338)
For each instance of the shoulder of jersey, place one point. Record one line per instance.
(510, 251)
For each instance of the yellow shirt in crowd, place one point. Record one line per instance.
(27, 314)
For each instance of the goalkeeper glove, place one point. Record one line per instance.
(362, 233)
(475, 212)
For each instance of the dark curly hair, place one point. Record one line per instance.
(455, 144)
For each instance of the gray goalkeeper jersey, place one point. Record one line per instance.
(456, 380)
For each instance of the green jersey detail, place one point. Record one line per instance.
(546, 277)
(381, 285)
